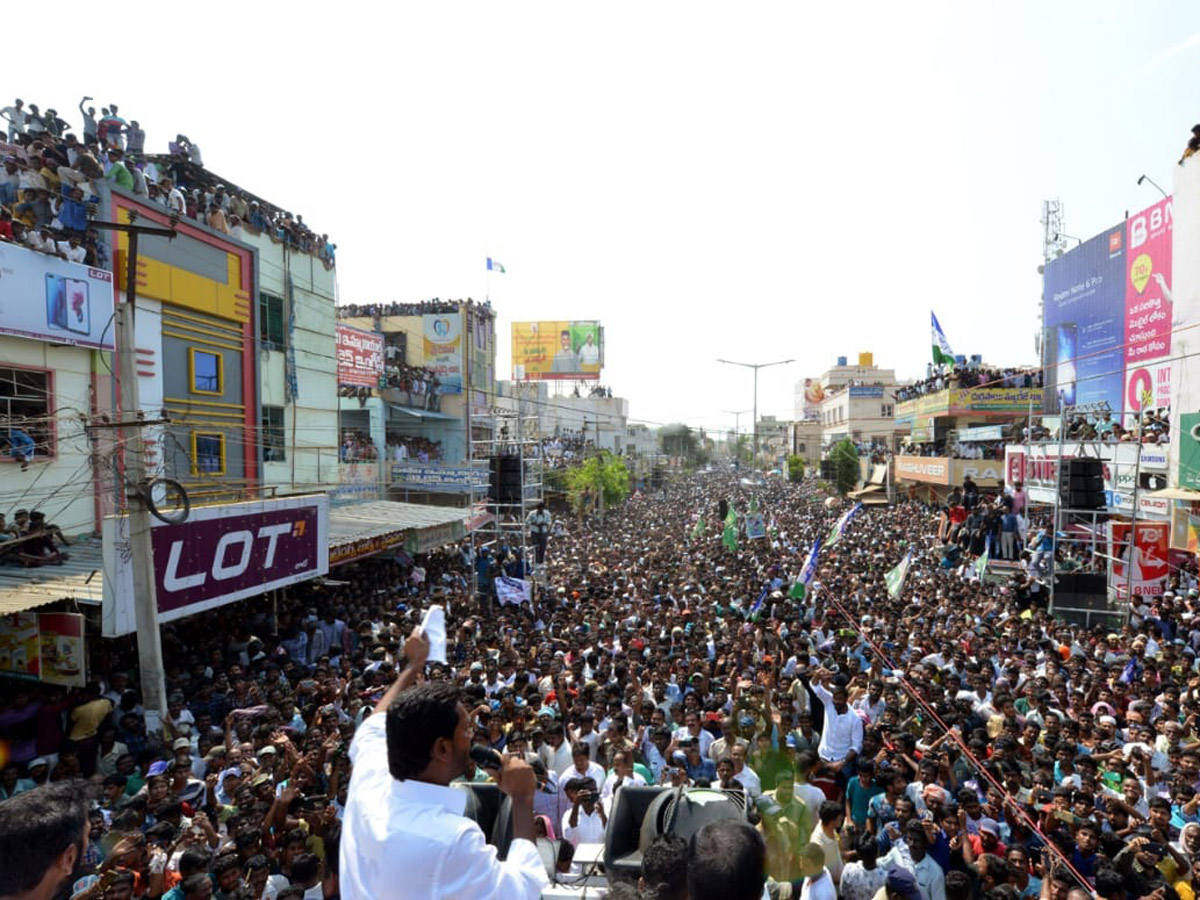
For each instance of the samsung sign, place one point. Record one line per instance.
(219, 555)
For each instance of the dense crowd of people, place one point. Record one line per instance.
(48, 185)
(563, 448)
(926, 737)
(419, 384)
(971, 377)
(413, 448)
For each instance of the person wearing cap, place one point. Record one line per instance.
(987, 839)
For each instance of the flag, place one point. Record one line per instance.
(981, 564)
(699, 529)
(800, 589)
(840, 528)
(895, 578)
(494, 266)
(942, 354)
(729, 538)
(513, 590)
(756, 607)
(753, 503)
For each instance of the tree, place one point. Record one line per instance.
(795, 468)
(601, 475)
(679, 440)
(845, 457)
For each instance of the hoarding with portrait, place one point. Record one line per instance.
(557, 350)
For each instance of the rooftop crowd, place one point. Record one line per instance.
(48, 185)
(971, 377)
(435, 306)
(924, 746)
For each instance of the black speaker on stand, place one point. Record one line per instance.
(1081, 483)
(504, 479)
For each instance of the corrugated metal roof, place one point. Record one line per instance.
(364, 520)
(79, 578)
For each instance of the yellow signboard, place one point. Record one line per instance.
(559, 350)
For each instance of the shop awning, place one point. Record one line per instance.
(80, 578)
(861, 493)
(1176, 494)
(401, 411)
(363, 529)
(875, 500)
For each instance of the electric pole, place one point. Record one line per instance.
(133, 470)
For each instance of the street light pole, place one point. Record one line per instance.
(736, 413)
(755, 367)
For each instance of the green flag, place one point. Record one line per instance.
(981, 564)
(895, 578)
(729, 538)
(699, 529)
(797, 591)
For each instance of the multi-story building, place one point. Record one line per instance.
(851, 401)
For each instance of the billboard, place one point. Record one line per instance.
(1189, 451)
(814, 395)
(49, 299)
(444, 349)
(359, 356)
(218, 555)
(44, 646)
(866, 392)
(1083, 324)
(1148, 558)
(1148, 308)
(558, 350)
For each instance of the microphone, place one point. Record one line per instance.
(486, 757)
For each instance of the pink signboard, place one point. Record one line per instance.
(359, 356)
(1148, 307)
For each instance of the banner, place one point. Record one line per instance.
(1148, 556)
(557, 350)
(359, 356)
(444, 349)
(44, 646)
(49, 299)
(756, 527)
(20, 648)
(814, 394)
(1189, 451)
(220, 554)
(514, 591)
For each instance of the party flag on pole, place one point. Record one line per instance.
(729, 538)
(942, 354)
(840, 528)
(800, 589)
(699, 529)
(895, 578)
(494, 266)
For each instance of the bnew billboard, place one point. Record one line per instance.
(359, 356)
(220, 554)
(1148, 308)
(444, 349)
(1083, 324)
(557, 350)
(1147, 556)
(49, 299)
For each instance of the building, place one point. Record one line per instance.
(851, 401)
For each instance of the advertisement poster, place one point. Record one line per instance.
(756, 526)
(1083, 324)
(1148, 308)
(1148, 556)
(562, 350)
(47, 298)
(1189, 451)
(19, 650)
(62, 651)
(359, 356)
(444, 350)
(814, 394)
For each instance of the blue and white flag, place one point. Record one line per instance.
(800, 589)
(756, 607)
(840, 528)
(942, 354)
(494, 266)
(513, 591)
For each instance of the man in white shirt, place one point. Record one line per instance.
(842, 734)
(742, 773)
(691, 729)
(910, 855)
(587, 820)
(818, 884)
(582, 765)
(403, 832)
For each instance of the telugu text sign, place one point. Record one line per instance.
(557, 350)
(359, 356)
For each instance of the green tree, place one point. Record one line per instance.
(795, 468)
(845, 457)
(601, 475)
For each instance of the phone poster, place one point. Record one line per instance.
(49, 299)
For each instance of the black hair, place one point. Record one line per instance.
(958, 885)
(665, 867)
(998, 868)
(726, 861)
(830, 811)
(194, 883)
(867, 848)
(36, 827)
(305, 868)
(415, 720)
(193, 861)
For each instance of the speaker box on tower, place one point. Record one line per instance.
(504, 479)
(1081, 483)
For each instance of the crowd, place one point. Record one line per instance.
(957, 449)
(1150, 427)
(30, 541)
(435, 306)
(413, 447)
(419, 384)
(48, 186)
(357, 446)
(561, 449)
(932, 737)
(970, 377)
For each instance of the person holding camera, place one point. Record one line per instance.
(587, 820)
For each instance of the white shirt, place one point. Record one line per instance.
(930, 878)
(705, 738)
(841, 733)
(749, 779)
(595, 771)
(820, 888)
(588, 830)
(409, 838)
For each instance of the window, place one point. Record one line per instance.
(885, 411)
(205, 368)
(208, 453)
(802, 447)
(271, 330)
(26, 406)
(274, 448)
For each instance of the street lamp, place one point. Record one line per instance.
(736, 413)
(755, 367)
(1153, 182)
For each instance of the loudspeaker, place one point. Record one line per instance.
(1081, 483)
(1081, 591)
(504, 479)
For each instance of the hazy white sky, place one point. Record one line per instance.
(752, 181)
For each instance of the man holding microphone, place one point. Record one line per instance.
(403, 832)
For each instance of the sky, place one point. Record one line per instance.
(755, 182)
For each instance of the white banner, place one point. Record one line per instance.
(50, 299)
(513, 590)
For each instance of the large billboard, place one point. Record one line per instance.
(1107, 318)
(1083, 324)
(561, 350)
(444, 349)
(1148, 558)
(49, 299)
(359, 356)
(220, 554)
(814, 395)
